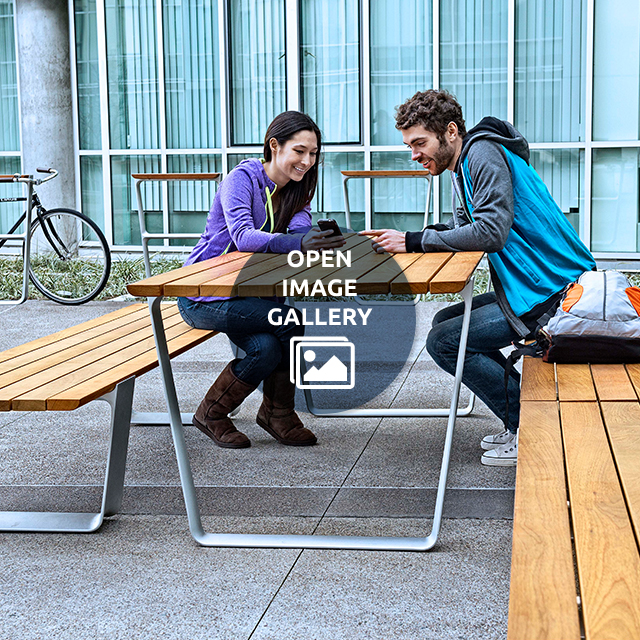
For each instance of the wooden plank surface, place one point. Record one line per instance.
(575, 383)
(606, 550)
(612, 382)
(417, 276)
(453, 277)
(36, 386)
(538, 380)
(154, 286)
(542, 600)
(176, 176)
(622, 420)
(419, 173)
(115, 370)
(384, 268)
(633, 371)
(71, 331)
(190, 285)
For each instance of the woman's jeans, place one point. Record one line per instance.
(484, 364)
(245, 321)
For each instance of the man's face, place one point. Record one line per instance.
(433, 155)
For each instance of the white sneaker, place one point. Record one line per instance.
(497, 440)
(505, 455)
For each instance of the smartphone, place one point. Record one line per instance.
(329, 223)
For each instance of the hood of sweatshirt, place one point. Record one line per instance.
(255, 168)
(499, 131)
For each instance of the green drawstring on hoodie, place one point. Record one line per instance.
(269, 215)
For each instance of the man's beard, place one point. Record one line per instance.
(442, 158)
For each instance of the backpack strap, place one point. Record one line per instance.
(535, 350)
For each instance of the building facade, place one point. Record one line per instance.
(191, 85)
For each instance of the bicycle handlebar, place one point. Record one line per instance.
(16, 177)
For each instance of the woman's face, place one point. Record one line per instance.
(294, 158)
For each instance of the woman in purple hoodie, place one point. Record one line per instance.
(262, 206)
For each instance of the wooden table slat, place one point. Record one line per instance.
(606, 550)
(45, 341)
(453, 277)
(622, 420)
(190, 285)
(37, 384)
(538, 380)
(175, 176)
(154, 286)
(384, 268)
(418, 173)
(105, 379)
(416, 278)
(612, 382)
(575, 383)
(542, 603)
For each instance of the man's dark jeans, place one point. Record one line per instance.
(245, 321)
(484, 364)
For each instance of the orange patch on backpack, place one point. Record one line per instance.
(634, 297)
(573, 295)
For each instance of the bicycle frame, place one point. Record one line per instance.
(27, 218)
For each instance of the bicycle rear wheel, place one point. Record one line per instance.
(70, 258)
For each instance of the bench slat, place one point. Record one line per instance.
(70, 332)
(623, 426)
(538, 380)
(37, 384)
(542, 603)
(106, 380)
(606, 550)
(575, 383)
(612, 382)
(42, 359)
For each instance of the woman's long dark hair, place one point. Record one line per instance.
(294, 195)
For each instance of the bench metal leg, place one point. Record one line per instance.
(121, 400)
(300, 541)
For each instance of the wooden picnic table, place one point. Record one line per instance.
(247, 274)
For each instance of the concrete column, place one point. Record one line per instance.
(45, 96)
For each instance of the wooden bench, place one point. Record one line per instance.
(99, 359)
(575, 566)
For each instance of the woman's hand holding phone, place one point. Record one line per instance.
(316, 240)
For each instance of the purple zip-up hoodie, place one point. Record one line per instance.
(239, 213)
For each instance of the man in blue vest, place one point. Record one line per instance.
(506, 211)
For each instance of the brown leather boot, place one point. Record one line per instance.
(277, 414)
(212, 416)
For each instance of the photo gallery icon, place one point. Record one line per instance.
(322, 363)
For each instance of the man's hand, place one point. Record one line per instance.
(387, 240)
(315, 240)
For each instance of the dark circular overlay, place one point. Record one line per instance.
(351, 362)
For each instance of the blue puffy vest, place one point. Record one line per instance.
(543, 253)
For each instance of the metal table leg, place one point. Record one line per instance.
(120, 400)
(301, 541)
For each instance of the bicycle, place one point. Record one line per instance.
(65, 254)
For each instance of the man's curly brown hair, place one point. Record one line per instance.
(432, 109)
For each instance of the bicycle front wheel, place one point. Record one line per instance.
(70, 258)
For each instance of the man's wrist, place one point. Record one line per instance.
(413, 241)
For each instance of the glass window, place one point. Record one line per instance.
(616, 70)
(88, 74)
(615, 208)
(550, 70)
(258, 67)
(126, 227)
(91, 189)
(329, 199)
(398, 203)
(330, 67)
(473, 56)
(562, 170)
(192, 78)
(190, 201)
(133, 74)
(10, 129)
(401, 60)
